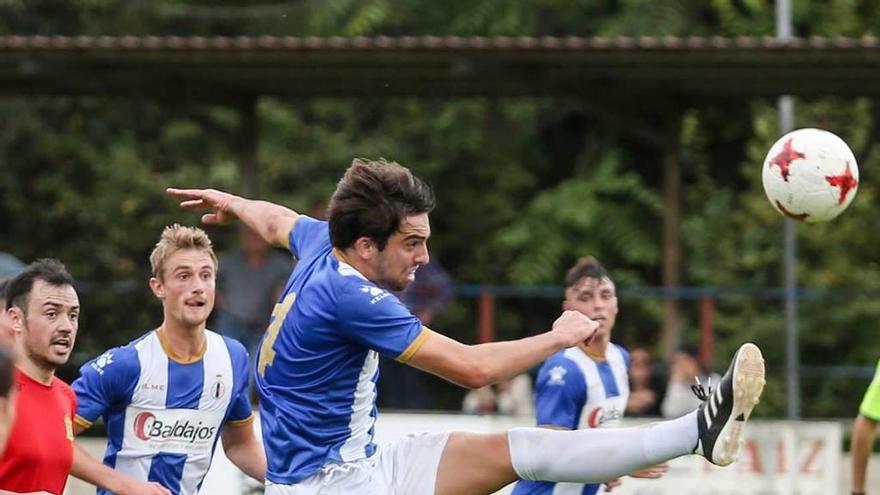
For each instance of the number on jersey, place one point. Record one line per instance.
(267, 353)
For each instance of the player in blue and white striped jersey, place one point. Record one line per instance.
(318, 362)
(169, 396)
(585, 386)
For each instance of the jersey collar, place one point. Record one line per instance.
(166, 346)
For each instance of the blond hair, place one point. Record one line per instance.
(174, 238)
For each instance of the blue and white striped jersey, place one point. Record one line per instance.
(164, 417)
(318, 363)
(574, 391)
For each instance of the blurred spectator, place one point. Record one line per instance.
(645, 387)
(683, 369)
(430, 293)
(249, 281)
(510, 397)
(10, 266)
(480, 401)
(5, 320)
(402, 386)
(514, 396)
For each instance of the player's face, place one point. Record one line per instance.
(407, 249)
(187, 287)
(597, 299)
(45, 335)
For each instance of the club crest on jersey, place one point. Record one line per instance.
(68, 427)
(102, 362)
(218, 388)
(375, 293)
(557, 375)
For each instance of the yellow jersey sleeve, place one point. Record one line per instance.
(870, 407)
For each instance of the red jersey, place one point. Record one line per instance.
(40, 450)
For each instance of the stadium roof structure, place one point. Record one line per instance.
(216, 68)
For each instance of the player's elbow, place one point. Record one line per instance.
(277, 229)
(476, 376)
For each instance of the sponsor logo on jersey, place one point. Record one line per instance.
(557, 375)
(180, 431)
(102, 362)
(375, 293)
(600, 416)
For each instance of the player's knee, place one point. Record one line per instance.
(475, 463)
(480, 452)
(527, 454)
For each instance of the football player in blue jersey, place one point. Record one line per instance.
(169, 396)
(317, 368)
(585, 386)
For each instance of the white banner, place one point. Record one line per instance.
(779, 458)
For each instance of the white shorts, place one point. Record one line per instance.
(405, 467)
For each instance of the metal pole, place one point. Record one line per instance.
(707, 333)
(792, 355)
(486, 317)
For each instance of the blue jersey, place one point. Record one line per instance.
(574, 391)
(164, 417)
(318, 363)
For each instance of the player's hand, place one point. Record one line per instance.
(611, 485)
(574, 327)
(143, 488)
(653, 472)
(207, 199)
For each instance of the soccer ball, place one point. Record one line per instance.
(810, 175)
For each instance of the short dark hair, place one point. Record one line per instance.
(586, 267)
(372, 198)
(4, 282)
(7, 379)
(49, 270)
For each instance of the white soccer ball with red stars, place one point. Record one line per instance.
(810, 175)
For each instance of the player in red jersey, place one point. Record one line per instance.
(44, 308)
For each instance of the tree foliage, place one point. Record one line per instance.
(525, 185)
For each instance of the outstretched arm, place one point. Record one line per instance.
(476, 366)
(273, 222)
(90, 470)
(244, 450)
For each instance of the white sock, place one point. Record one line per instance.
(599, 454)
